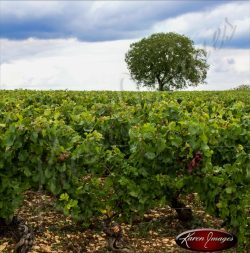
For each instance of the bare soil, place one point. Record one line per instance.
(54, 232)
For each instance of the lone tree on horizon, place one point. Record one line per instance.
(168, 60)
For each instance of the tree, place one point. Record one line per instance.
(243, 87)
(167, 59)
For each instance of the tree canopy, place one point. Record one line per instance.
(167, 60)
(243, 87)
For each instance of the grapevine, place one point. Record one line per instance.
(101, 152)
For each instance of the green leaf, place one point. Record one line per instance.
(23, 155)
(193, 130)
(150, 155)
(27, 172)
(34, 136)
(133, 194)
(171, 126)
(176, 141)
(48, 173)
(179, 184)
(64, 197)
(229, 190)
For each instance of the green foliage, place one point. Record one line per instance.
(243, 87)
(111, 152)
(168, 60)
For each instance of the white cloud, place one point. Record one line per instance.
(71, 64)
(228, 20)
(228, 69)
(67, 64)
(18, 49)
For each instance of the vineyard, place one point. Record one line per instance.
(113, 156)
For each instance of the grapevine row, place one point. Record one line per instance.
(127, 152)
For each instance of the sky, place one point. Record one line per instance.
(81, 45)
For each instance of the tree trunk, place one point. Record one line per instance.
(160, 87)
(161, 84)
(184, 213)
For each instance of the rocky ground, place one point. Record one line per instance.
(56, 233)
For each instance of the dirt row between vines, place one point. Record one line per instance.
(56, 233)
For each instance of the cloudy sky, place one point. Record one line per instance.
(80, 45)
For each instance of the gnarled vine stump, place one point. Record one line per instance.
(22, 234)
